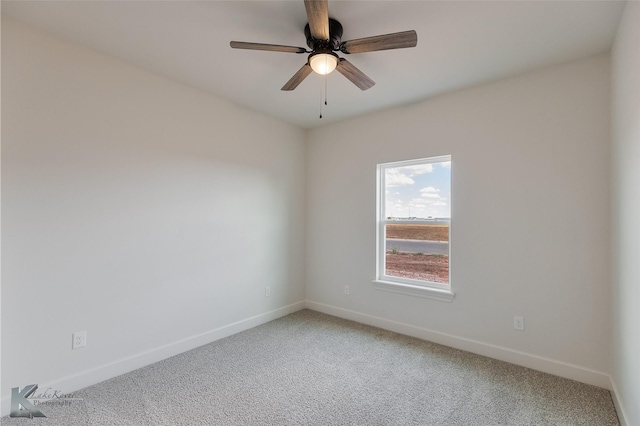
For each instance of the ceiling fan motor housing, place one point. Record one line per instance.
(335, 37)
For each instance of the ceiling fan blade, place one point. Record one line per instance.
(297, 78)
(356, 76)
(381, 42)
(318, 17)
(270, 47)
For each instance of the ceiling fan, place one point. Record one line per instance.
(324, 36)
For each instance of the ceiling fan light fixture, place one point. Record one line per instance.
(323, 63)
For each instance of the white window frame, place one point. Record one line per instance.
(408, 286)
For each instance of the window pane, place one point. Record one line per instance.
(420, 252)
(417, 209)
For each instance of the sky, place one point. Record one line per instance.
(421, 190)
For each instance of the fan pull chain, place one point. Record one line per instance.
(325, 89)
(323, 95)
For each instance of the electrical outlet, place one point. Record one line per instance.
(346, 289)
(267, 291)
(79, 339)
(518, 323)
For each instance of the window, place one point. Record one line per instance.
(414, 220)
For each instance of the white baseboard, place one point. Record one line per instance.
(546, 365)
(622, 416)
(101, 373)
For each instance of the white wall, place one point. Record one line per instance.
(626, 214)
(530, 212)
(148, 213)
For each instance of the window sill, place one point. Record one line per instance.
(415, 290)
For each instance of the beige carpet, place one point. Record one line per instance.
(313, 369)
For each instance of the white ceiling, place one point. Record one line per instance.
(459, 44)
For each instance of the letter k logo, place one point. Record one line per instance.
(20, 399)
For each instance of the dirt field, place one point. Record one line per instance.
(418, 232)
(427, 267)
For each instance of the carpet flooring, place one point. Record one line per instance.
(313, 369)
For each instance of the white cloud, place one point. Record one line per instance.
(418, 169)
(430, 192)
(428, 202)
(394, 177)
(446, 164)
(402, 176)
(418, 202)
(429, 189)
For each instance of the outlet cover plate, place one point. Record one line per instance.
(518, 323)
(79, 339)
